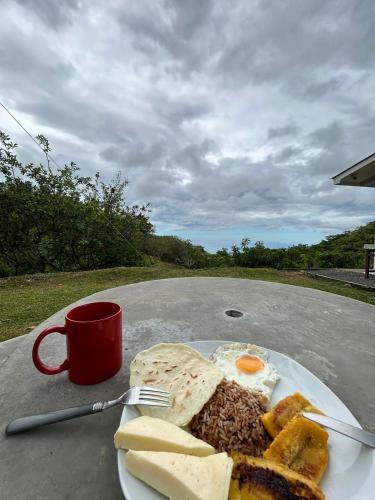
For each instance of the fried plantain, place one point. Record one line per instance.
(276, 419)
(301, 446)
(261, 479)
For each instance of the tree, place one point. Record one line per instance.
(64, 221)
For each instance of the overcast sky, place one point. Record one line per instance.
(229, 117)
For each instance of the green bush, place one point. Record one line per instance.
(176, 250)
(222, 258)
(5, 270)
(345, 251)
(62, 221)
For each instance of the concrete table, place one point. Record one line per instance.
(332, 336)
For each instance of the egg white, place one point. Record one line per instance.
(263, 381)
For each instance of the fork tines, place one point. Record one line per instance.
(152, 396)
(153, 389)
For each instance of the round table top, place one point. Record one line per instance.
(332, 336)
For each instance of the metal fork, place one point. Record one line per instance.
(148, 396)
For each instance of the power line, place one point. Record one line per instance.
(49, 157)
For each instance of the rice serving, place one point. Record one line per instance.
(230, 421)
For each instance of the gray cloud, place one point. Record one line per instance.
(172, 29)
(327, 137)
(135, 153)
(220, 114)
(327, 86)
(53, 14)
(287, 154)
(289, 129)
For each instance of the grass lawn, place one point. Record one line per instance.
(26, 301)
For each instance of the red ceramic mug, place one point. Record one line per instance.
(94, 343)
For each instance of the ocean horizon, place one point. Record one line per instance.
(215, 239)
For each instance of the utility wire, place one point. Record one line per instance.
(49, 157)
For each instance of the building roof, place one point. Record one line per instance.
(360, 174)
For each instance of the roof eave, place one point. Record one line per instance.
(363, 171)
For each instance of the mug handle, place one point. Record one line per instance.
(42, 367)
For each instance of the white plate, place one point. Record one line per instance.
(351, 470)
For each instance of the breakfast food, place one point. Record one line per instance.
(275, 420)
(190, 378)
(221, 401)
(230, 420)
(179, 476)
(257, 478)
(154, 434)
(247, 365)
(302, 446)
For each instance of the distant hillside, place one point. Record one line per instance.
(339, 250)
(345, 249)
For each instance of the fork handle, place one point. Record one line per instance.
(25, 423)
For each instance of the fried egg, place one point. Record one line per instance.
(247, 365)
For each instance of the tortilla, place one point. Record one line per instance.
(190, 378)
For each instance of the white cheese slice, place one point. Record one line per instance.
(179, 476)
(153, 434)
(222, 472)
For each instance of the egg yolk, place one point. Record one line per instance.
(249, 364)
